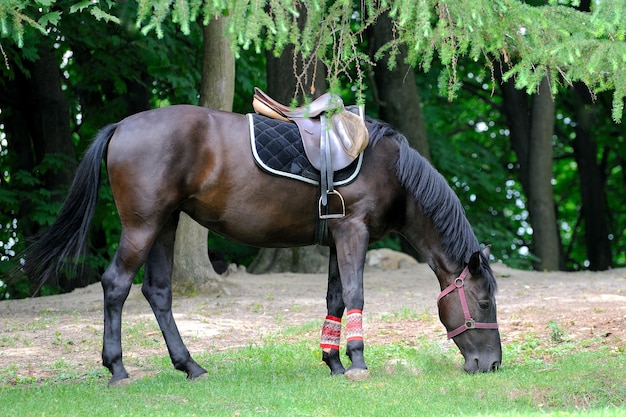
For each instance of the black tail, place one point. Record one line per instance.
(66, 239)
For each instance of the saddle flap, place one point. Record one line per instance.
(310, 131)
(348, 130)
(347, 136)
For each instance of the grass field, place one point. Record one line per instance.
(283, 376)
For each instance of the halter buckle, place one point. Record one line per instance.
(459, 282)
(470, 324)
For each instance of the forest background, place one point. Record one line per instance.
(518, 104)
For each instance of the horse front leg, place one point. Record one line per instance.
(331, 330)
(157, 288)
(351, 242)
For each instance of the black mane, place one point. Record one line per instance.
(435, 197)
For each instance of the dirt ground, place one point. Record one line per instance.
(39, 335)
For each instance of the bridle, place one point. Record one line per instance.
(459, 284)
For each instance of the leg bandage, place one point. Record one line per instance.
(354, 325)
(331, 333)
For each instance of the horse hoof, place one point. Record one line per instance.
(204, 375)
(357, 374)
(119, 382)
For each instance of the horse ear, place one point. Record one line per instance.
(486, 251)
(474, 264)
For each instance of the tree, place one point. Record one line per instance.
(102, 72)
(192, 266)
(36, 112)
(531, 121)
(290, 80)
(593, 189)
(396, 91)
(592, 182)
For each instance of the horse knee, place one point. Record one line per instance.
(115, 287)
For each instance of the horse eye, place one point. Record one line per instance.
(483, 304)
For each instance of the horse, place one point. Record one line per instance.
(191, 159)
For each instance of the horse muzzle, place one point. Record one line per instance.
(474, 366)
(483, 362)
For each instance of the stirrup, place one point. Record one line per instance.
(332, 215)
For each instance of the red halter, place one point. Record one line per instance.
(458, 284)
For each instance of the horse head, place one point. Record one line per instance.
(467, 308)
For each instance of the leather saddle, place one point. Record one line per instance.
(347, 135)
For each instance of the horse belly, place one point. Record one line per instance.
(263, 218)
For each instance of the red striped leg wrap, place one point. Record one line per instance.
(354, 325)
(331, 333)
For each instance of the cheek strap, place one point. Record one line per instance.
(459, 285)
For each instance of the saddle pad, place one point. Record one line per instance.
(277, 149)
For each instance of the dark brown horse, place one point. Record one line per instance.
(198, 161)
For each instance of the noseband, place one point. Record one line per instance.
(459, 284)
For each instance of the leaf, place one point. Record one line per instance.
(100, 14)
(79, 7)
(25, 178)
(52, 18)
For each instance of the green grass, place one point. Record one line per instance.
(281, 378)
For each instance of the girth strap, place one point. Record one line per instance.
(327, 165)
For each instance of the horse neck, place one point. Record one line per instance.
(422, 234)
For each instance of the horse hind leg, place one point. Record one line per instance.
(116, 282)
(157, 288)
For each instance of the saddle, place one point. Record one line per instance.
(347, 135)
(332, 137)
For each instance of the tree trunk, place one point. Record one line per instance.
(281, 85)
(540, 194)
(396, 89)
(532, 126)
(308, 259)
(399, 100)
(192, 267)
(592, 184)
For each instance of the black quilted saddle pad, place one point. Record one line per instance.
(277, 149)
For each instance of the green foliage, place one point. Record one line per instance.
(106, 67)
(529, 41)
(557, 334)
(19, 16)
(532, 41)
(25, 188)
(16, 15)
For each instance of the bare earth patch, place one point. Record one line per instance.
(39, 335)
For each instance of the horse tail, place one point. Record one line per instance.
(67, 237)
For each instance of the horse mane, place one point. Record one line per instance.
(436, 199)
